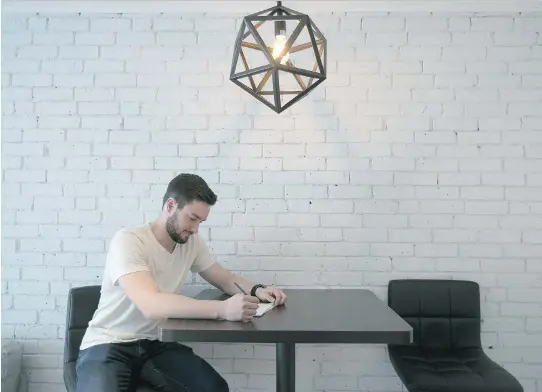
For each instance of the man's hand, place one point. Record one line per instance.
(240, 307)
(271, 294)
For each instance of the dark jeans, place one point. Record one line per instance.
(163, 366)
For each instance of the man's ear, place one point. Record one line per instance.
(171, 204)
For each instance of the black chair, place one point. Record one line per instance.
(82, 303)
(446, 354)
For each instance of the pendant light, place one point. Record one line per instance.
(279, 57)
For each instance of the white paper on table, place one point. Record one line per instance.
(263, 308)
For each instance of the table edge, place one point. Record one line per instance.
(315, 337)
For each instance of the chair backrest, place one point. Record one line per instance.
(444, 314)
(82, 303)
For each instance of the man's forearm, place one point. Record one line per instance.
(225, 280)
(164, 305)
(230, 288)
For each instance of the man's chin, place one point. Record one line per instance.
(182, 240)
(179, 240)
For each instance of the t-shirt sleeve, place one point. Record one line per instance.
(125, 255)
(204, 259)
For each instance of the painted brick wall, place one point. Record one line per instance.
(420, 156)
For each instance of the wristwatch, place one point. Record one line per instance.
(256, 287)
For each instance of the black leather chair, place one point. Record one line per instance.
(446, 354)
(82, 303)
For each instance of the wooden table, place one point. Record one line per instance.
(308, 316)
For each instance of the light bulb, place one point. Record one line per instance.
(278, 45)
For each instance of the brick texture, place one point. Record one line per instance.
(420, 156)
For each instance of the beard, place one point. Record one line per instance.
(172, 230)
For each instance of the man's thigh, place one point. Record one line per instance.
(173, 367)
(108, 368)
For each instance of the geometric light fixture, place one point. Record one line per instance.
(279, 57)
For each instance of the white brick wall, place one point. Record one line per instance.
(420, 156)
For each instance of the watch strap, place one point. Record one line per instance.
(256, 287)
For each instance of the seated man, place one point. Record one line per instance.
(145, 268)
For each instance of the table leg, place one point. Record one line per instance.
(285, 367)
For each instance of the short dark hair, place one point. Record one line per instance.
(186, 188)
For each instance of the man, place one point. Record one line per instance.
(145, 268)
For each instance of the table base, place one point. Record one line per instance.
(285, 367)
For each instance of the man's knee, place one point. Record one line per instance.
(220, 384)
(215, 382)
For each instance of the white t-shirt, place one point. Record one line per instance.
(117, 318)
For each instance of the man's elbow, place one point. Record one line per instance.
(151, 309)
(147, 311)
(151, 314)
(143, 291)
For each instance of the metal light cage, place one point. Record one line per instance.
(282, 73)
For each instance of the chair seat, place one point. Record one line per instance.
(461, 370)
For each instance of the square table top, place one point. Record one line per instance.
(308, 316)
